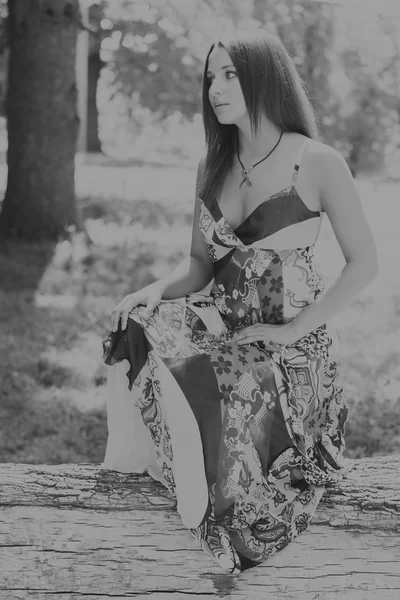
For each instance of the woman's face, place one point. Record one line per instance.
(225, 88)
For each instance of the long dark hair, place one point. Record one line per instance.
(271, 86)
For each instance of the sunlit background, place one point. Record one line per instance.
(138, 72)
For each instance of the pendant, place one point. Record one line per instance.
(245, 178)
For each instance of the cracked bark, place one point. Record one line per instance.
(79, 531)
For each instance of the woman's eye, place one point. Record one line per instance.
(210, 78)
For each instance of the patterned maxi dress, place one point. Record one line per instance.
(244, 436)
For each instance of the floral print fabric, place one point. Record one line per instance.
(271, 423)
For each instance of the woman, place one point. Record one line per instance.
(231, 398)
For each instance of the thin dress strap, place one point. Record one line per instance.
(297, 165)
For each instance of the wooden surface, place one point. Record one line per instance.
(80, 532)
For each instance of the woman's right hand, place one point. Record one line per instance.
(150, 296)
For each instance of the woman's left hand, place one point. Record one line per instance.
(281, 335)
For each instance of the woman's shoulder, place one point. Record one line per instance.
(321, 166)
(324, 161)
(329, 171)
(320, 154)
(312, 150)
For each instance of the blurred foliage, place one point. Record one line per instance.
(306, 29)
(368, 119)
(149, 61)
(153, 53)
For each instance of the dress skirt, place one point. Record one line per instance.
(245, 437)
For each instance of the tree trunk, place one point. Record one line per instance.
(96, 13)
(42, 120)
(93, 143)
(79, 531)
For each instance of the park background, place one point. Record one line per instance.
(95, 207)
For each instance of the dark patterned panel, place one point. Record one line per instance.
(271, 293)
(197, 380)
(273, 215)
(130, 344)
(223, 262)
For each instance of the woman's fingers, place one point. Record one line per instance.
(118, 311)
(248, 335)
(149, 309)
(122, 310)
(124, 318)
(114, 318)
(126, 311)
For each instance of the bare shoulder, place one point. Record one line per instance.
(330, 172)
(340, 200)
(318, 163)
(337, 190)
(325, 160)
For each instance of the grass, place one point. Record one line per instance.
(55, 305)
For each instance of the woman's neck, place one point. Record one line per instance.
(252, 148)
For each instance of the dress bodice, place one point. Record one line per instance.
(263, 269)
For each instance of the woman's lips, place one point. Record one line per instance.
(220, 106)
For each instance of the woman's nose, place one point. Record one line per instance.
(216, 88)
(217, 85)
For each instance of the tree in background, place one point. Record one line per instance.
(3, 54)
(42, 118)
(95, 64)
(390, 72)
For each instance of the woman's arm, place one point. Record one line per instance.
(191, 275)
(195, 271)
(341, 202)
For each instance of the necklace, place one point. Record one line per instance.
(245, 172)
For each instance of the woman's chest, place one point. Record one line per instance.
(240, 198)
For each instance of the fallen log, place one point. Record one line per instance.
(79, 531)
